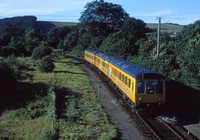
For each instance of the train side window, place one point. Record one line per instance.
(141, 87)
(132, 85)
(129, 83)
(159, 87)
(125, 80)
(150, 87)
(115, 72)
(122, 77)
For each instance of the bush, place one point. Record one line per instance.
(6, 74)
(46, 64)
(22, 112)
(5, 51)
(40, 52)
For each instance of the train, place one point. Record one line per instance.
(140, 87)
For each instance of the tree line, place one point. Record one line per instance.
(107, 27)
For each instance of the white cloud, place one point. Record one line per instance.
(42, 7)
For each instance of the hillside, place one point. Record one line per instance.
(44, 26)
(166, 27)
(61, 24)
(22, 23)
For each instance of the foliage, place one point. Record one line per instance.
(10, 70)
(102, 18)
(37, 108)
(46, 135)
(41, 51)
(5, 51)
(31, 39)
(6, 73)
(116, 45)
(55, 35)
(46, 64)
(21, 113)
(134, 29)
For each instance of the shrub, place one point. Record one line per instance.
(5, 51)
(40, 52)
(6, 73)
(46, 64)
(22, 112)
(37, 108)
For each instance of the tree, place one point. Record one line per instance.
(116, 45)
(102, 18)
(41, 51)
(134, 29)
(46, 64)
(31, 39)
(55, 35)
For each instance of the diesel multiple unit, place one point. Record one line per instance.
(139, 86)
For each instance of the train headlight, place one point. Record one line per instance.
(140, 99)
(159, 99)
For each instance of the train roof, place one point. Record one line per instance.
(106, 57)
(129, 68)
(134, 70)
(91, 51)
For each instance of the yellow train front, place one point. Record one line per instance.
(139, 86)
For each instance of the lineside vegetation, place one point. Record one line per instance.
(65, 95)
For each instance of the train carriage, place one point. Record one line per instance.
(104, 62)
(90, 56)
(140, 86)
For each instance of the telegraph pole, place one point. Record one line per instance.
(158, 45)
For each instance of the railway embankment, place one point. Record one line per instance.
(183, 107)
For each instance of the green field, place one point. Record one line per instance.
(166, 27)
(79, 115)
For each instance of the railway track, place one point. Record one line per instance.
(150, 127)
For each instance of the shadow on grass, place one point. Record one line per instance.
(61, 100)
(184, 101)
(18, 94)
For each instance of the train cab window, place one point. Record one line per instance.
(150, 87)
(141, 87)
(159, 87)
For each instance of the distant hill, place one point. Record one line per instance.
(61, 24)
(166, 27)
(44, 26)
(31, 21)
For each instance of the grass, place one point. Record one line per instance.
(79, 115)
(84, 117)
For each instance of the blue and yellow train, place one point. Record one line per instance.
(139, 86)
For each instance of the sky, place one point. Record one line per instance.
(181, 12)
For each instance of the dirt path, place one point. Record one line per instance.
(117, 115)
